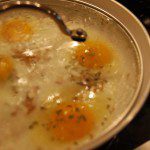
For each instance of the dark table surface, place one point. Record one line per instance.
(138, 131)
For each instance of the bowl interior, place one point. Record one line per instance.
(104, 27)
(124, 79)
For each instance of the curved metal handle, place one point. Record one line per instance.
(78, 35)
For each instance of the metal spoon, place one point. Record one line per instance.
(77, 35)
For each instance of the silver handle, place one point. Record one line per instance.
(78, 35)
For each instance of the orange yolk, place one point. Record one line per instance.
(93, 55)
(6, 67)
(16, 30)
(71, 121)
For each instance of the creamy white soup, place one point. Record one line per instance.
(55, 92)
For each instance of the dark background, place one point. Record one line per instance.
(138, 131)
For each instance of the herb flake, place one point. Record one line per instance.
(58, 112)
(33, 124)
(81, 118)
(71, 117)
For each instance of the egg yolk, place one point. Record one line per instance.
(93, 54)
(71, 121)
(16, 30)
(6, 67)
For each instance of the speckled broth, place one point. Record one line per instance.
(47, 80)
